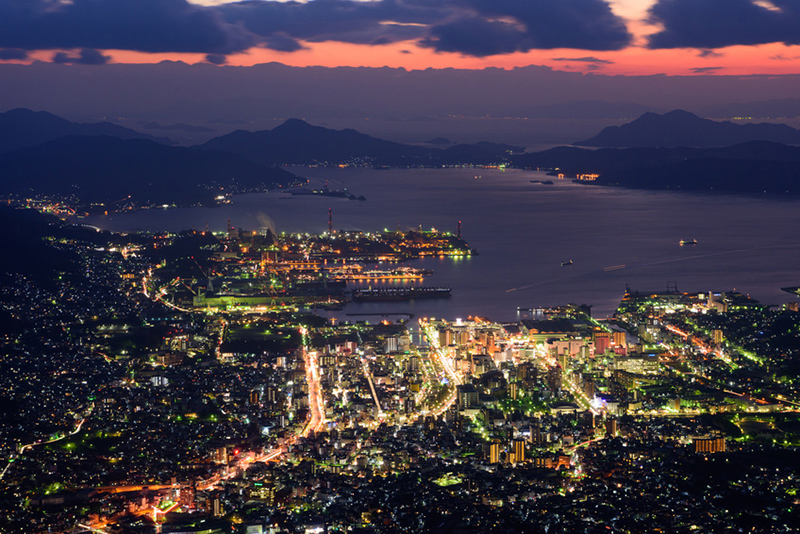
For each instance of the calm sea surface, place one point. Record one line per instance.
(523, 231)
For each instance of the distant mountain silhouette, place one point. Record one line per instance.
(103, 169)
(680, 128)
(588, 109)
(22, 127)
(753, 167)
(573, 160)
(297, 142)
(709, 174)
(476, 153)
(177, 127)
(780, 108)
(439, 141)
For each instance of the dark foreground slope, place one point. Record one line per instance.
(105, 170)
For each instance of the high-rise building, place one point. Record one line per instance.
(392, 344)
(589, 388)
(554, 378)
(430, 423)
(718, 336)
(716, 301)
(494, 452)
(590, 419)
(263, 491)
(490, 346)
(619, 339)
(611, 427)
(216, 506)
(710, 444)
(467, 396)
(362, 462)
(188, 495)
(519, 450)
(602, 342)
(445, 337)
(563, 361)
(537, 438)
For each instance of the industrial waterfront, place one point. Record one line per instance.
(616, 238)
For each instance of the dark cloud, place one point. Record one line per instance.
(471, 27)
(585, 59)
(12, 53)
(475, 36)
(216, 59)
(781, 57)
(708, 53)
(143, 25)
(86, 56)
(347, 21)
(282, 43)
(583, 24)
(705, 70)
(522, 25)
(719, 23)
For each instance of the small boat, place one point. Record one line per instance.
(565, 263)
(688, 242)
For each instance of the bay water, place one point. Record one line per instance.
(524, 231)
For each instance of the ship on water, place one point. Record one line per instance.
(356, 273)
(401, 273)
(688, 242)
(386, 294)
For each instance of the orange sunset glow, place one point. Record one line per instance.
(735, 60)
(334, 46)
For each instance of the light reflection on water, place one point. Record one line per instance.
(524, 231)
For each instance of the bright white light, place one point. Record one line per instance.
(766, 4)
(220, 2)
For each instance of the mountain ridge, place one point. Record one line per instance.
(22, 127)
(680, 128)
(752, 167)
(295, 141)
